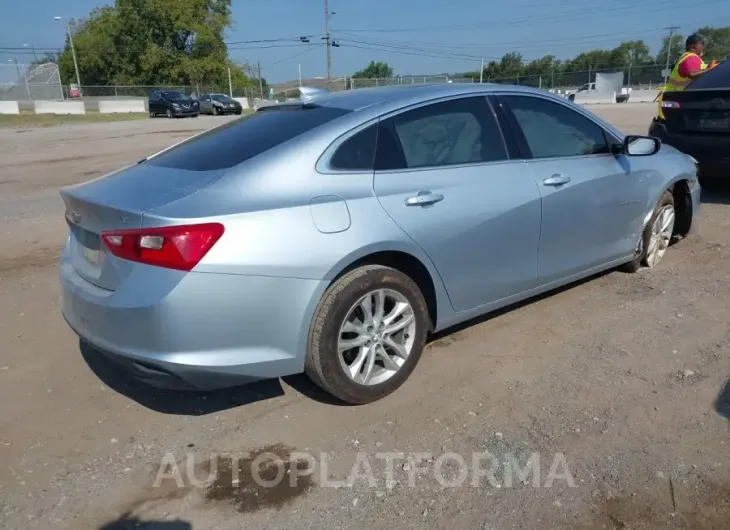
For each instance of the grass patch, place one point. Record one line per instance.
(30, 119)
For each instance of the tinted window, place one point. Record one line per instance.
(235, 142)
(154, 96)
(718, 77)
(222, 98)
(205, 98)
(554, 130)
(460, 131)
(357, 152)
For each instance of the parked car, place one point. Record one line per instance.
(216, 104)
(697, 121)
(172, 104)
(331, 235)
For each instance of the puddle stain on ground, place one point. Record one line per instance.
(268, 477)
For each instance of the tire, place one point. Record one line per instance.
(215, 111)
(152, 115)
(642, 255)
(169, 113)
(323, 363)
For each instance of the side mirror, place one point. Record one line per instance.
(635, 145)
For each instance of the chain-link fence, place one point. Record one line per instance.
(21, 82)
(24, 82)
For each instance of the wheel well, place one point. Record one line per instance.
(683, 207)
(408, 265)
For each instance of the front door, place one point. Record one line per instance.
(592, 207)
(443, 175)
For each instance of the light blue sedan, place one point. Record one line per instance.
(332, 234)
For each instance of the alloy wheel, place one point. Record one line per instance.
(661, 235)
(376, 337)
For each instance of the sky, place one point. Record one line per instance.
(414, 37)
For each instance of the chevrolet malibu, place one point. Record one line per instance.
(330, 235)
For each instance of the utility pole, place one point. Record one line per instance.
(328, 41)
(73, 51)
(481, 72)
(671, 29)
(230, 85)
(261, 82)
(300, 74)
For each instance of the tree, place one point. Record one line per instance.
(153, 42)
(374, 70)
(717, 43)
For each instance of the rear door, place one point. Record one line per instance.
(205, 103)
(444, 176)
(592, 203)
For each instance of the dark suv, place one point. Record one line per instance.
(172, 104)
(697, 121)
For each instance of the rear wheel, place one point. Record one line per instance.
(367, 334)
(152, 115)
(657, 235)
(215, 111)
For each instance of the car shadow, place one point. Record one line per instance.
(715, 192)
(722, 406)
(176, 402)
(125, 522)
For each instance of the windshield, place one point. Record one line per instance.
(222, 98)
(244, 138)
(175, 96)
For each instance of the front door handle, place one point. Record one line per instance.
(556, 180)
(424, 198)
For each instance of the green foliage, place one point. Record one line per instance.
(374, 70)
(635, 53)
(153, 42)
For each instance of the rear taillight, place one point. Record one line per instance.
(668, 104)
(172, 247)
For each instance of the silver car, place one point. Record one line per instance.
(331, 235)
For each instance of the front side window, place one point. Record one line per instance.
(460, 131)
(553, 130)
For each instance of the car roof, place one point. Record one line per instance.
(403, 95)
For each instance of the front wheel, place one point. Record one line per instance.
(367, 334)
(657, 235)
(215, 111)
(169, 113)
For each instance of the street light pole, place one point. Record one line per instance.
(73, 52)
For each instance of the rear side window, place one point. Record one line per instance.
(357, 152)
(460, 131)
(245, 138)
(718, 77)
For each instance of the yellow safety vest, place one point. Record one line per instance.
(676, 82)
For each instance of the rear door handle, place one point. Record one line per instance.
(424, 198)
(556, 180)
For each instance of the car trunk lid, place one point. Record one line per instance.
(697, 111)
(117, 202)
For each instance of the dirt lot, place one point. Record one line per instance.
(617, 388)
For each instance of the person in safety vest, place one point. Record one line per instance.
(687, 68)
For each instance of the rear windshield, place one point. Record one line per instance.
(235, 142)
(718, 77)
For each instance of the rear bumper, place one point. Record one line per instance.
(194, 330)
(712, 152)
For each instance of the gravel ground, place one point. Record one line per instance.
(605, 405)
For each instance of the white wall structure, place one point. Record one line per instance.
(121, 106)
(243, 102)
(607, 83)
(643, 96)
(594, 97)
(59, 107)
(9, 107)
